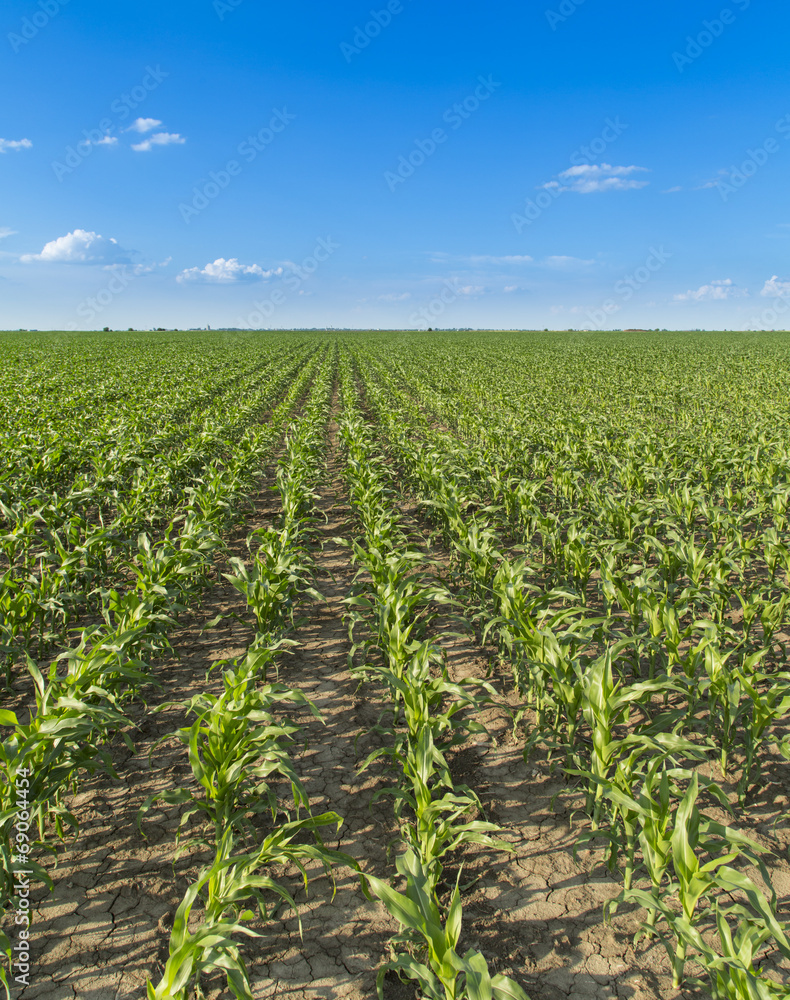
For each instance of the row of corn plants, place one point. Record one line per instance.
(427, 715)
(239, 743)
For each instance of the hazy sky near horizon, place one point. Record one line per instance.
(405, 164)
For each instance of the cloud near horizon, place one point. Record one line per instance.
(227, 272)
(776, 288)
(508, 259)
(559, 260)
(555, 260)
(716, 291)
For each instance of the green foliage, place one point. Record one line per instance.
(614, 511)
(443, 974)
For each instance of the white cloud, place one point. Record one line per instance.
(226, 272)
(673, 190)
(108, 140)
(477, 263)
(392, 297)
(776, 288)
(471, 290)
(513, 259)
(714, 182)
(5, 232)
(143, 125)
(147, 268)
(557, 260)
(562, 261)
(15, 144)
(158, 139)
(716, 291)
(82, 247)
(589, 178)
(511, 288)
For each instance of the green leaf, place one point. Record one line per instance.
(506, 989)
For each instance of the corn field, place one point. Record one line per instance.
(409, 665)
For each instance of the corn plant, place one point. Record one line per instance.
(225, 892)
(685, 838)
(606, 703)
(732, 975)
(236, 749)
(440, 811)
(724, 687)
(768, 701)
(638, 786)
(430, 957)
(278, 577)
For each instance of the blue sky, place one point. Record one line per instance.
(557, 164)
